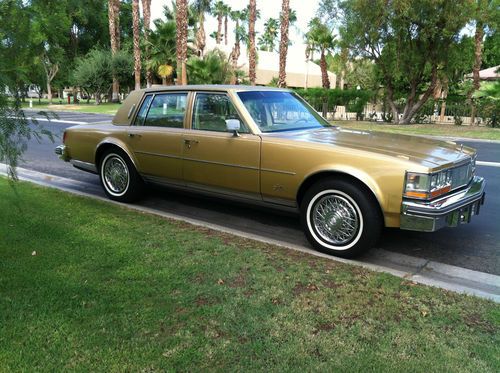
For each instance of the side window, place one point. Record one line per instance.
(211, 111)
(141, 115)
(166, 110)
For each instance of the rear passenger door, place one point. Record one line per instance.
(157, 135)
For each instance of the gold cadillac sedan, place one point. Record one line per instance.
(268, 146)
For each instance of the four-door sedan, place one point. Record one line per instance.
(268, 146)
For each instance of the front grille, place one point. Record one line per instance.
(461, 175)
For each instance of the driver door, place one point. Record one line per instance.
(216, 160)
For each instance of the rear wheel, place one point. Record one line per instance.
(339, 218)
(119, 178)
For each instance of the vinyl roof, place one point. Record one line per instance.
(212, 87)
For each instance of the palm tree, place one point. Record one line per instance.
(285, 17)
(252, 56)
(146, 14)
(319, 38)
(114, 36)
(212, 68)
(227, 13)
(239, 34)
(162, 44)
(182, 31)
(218, 11)
(267, 42)
(137, 48)
(201, 7)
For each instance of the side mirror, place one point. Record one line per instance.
(233, 125)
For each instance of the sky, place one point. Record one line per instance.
(306, 10)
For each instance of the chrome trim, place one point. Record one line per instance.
(158, 154)
(456, 165)
(217, 163)
(278, 171)
(85, 166)
(62, 152)
(132, 108)
(222, 164)
(450, 210)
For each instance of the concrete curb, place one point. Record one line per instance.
(410, 268)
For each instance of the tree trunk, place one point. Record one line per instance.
(146, 13)
(390, 100)
(225, 30)
(324, 72)
(444, 95)
(114, 36)
(182, 23)
(478, 52)
(251, 41)
(285, 16)
(50, 73)
(234, 56)
(49, 92)
(137, 48)
(218, 38)
(200, 35)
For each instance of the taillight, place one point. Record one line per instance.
(64, 137)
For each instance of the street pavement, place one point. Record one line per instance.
(475, 246)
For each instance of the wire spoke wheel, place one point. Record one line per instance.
(340, 217)
(335, 219)
(115, 174)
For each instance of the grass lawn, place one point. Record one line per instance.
(83, 107)
(450, 130)
(114, 290)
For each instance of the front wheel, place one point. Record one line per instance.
(340, 218)
(119, 178)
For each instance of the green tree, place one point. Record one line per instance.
(491, 53)
(267, 41)
(17, 58)
(408, 41)
(361, 73)
(239, 34)
(319, 38)
(162, 44)
(201, 7)
(49, 27)
(218, 10)
(94, 73)
(213, 68)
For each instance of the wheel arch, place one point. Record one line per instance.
(110, 144)
(369, 187)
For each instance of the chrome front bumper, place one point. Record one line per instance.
(62, 152)
(449, 211)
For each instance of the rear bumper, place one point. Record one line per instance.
(449, 211)
(62, 152)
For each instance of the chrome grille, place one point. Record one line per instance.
(461, 175)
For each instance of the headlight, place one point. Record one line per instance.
(427, 186)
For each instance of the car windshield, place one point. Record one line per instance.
(275, 111)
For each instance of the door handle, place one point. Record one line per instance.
(188, 142)
(131, 134)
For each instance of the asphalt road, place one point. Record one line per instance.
(474, 246)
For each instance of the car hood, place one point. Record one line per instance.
(426, 152)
